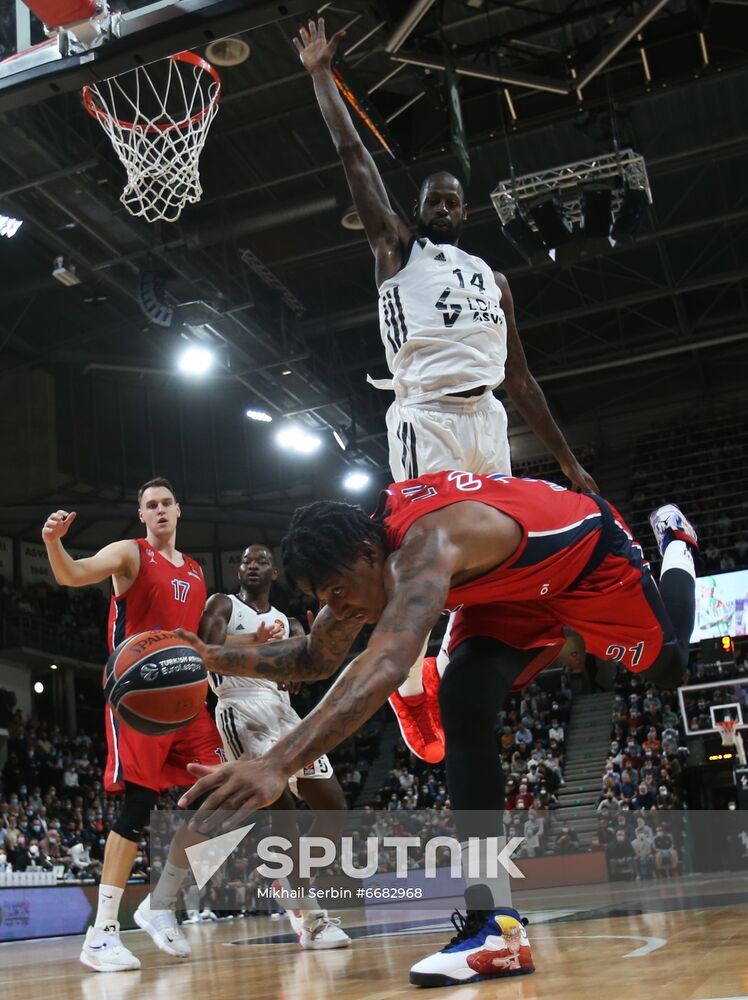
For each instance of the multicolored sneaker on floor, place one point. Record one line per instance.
(668, 523)
(419, 718)
(488, 945)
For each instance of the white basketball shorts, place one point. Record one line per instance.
(469, 434)
(249, 727)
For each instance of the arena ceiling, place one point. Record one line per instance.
(287, 289)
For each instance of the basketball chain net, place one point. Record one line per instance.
(157, 118)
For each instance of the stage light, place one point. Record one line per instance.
(260, 416)
(596, 217)
(38, 688)
(630, 215)
(9, 226)
(339, 440)
(356, 480)
(195, 360)
(297, 439)
(525, 240)
(554, 230)
(65, 273)
(53, 666)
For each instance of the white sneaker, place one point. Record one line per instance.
(320, 931)
(668, 522)
(207, 914)
(193, 917)
(163, 928)
(103, 950)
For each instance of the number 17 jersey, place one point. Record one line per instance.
(442, 324)
(162, 596)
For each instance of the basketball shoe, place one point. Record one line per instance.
(315, 929)
(489, 944)
(419, 717)
(669, 523)
(163, 928)
(103, 950)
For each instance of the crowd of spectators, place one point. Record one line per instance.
(642, 781)
(700, 466)
(54, 813)
(531, 735)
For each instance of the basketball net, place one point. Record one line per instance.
(728, 730)
(157, 118)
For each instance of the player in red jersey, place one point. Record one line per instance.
(519, 559)
(154, 587)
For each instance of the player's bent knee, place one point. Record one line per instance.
(135, 812)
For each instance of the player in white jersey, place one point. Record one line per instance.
(450, 338)
(252, 714)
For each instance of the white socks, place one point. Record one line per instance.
(108, 908)
(168, 886)
(678, 555)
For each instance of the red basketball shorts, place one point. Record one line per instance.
(158, 762)
(617, 609)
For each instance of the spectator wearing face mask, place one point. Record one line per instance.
(666, 857)
(620, 857)
(567, 841)
(19, 856)
(644, 798)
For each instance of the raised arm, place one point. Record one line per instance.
(119, 559)
(417, 580)
(386, 232)
(529, 398)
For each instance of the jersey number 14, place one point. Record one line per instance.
(451, 311)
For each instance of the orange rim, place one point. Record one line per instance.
(101, 114)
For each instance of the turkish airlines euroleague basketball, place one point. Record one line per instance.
(155, 683)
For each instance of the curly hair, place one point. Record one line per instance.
(325, 537)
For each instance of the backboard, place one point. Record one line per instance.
(702, 706)
(34, 67)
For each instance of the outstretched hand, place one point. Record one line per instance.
(581, 480)
(242, 786)
(315, 50)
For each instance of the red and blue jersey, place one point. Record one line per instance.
(559, 531)
(163, 596)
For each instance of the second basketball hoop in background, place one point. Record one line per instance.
(157, 117)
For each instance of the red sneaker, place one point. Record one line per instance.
(419, 718)
(431, 681)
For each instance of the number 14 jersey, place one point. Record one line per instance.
(442, 324)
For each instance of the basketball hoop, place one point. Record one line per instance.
(728, 730)
(157, 118)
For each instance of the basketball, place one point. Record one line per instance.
(155, 683)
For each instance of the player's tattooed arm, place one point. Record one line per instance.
(302, 658)
(417, 578)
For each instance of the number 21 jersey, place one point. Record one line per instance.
(442, 324)
(163, 596)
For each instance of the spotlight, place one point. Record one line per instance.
(9, 226)
(356, 480)
(596, 217)
(260, 415)
(297, 439)
(339, 440)
(525, 240)
(65, 273)
(195, 360)
(38, 688)
(554, 229)
(53, 666)
(630, 215)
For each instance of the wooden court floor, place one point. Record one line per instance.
(693, 954)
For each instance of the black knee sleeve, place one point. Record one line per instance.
(678, 593)
(135, 811)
